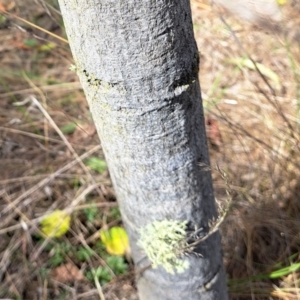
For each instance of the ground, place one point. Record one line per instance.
(50, 158)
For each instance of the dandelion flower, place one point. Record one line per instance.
(115, 240)
(56, 224)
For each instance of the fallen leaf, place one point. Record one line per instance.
(67, 273)
(213, 132)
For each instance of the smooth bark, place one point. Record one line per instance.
(138, 65)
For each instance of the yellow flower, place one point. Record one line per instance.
(56, 224)
(281, 2)
(115, 240)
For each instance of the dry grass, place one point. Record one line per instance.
(258, 120)
(255, 140)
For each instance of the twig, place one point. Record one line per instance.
(214, 225)
(51, 177)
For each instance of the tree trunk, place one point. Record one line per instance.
(138, 65)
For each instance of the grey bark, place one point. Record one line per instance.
(138, 65)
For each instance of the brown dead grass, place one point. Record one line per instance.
(259, 125)
(255, 141)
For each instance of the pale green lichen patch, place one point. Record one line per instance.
(91, 79)
(163, 243)
(73, 68)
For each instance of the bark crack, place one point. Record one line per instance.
(95, 82)
(211, 282)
